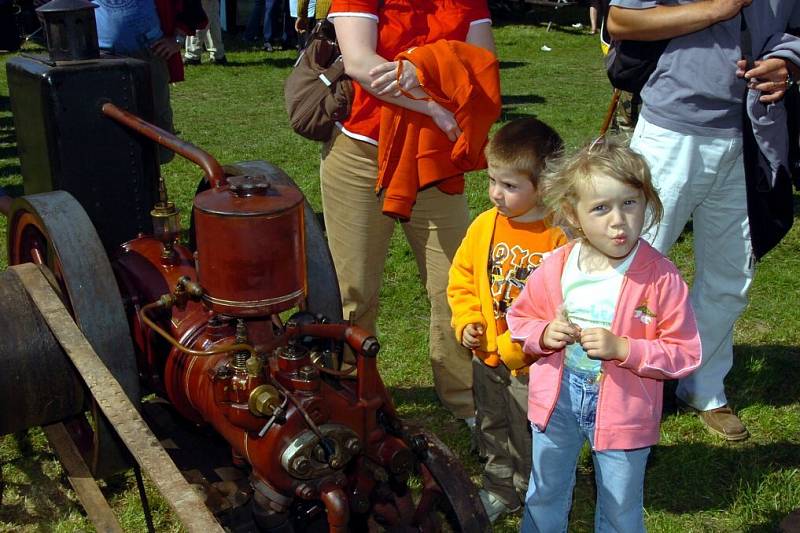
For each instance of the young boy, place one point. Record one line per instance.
(501, 249)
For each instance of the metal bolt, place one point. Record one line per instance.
(305, 492)
(301, 464)
(307, 373)
(353, 445)
(319, 454)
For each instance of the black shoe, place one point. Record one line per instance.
(191, 61)
(220, 61)
(268, 47)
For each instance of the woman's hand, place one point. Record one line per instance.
(770, 76)
(386, 80)
(599, 343)
(165, 47)
(445, 120)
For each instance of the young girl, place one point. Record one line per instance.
(609, 317)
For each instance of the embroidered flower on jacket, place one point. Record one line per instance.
(644, 314)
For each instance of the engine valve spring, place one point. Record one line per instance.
(240, 358)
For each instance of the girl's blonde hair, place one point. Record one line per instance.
(606, 156)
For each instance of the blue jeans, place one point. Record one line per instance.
(619, 474)
(262, 13)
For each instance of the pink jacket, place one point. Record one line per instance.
(653, 313)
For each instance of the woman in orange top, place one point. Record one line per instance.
(371, 33)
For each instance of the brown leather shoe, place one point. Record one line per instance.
(723, 422)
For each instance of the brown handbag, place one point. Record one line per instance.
(317, 92)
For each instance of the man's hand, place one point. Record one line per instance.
(165, 47)
(301, 24)
(770, 76)
(471, 336)
(727, 9)
(385, 79)
(599, 343)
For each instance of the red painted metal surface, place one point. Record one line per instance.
(250, 247)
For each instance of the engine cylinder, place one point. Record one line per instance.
(250, 250)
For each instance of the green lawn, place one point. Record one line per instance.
(695, 482)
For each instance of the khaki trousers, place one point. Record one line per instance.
(502, 403)
(359, 235)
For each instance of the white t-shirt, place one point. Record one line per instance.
(590, 301)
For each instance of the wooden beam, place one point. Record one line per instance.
(116, 406)
(93, 500)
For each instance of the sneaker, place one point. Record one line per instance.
(470, 421)
(220, 61)
(191, 61)
(493, 506)
(721, 421)
(268, 47)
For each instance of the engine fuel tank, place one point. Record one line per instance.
(250, 246)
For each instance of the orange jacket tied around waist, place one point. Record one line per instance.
(413, 153)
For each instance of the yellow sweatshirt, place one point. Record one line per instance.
(469, 292)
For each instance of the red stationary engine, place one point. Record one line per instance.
(225, 333)
(240, 330)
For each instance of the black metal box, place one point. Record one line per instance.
(65, 142)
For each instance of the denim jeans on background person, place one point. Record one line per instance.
(261, 14)
(619, 474)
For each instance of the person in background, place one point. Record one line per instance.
(609, 319)
(370, 34)
(210, 38)
(594, 13)
(153, 31)
(308, 12)
(690, 132)
(261, 17)
(503, 246)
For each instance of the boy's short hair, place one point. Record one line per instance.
(524, 145)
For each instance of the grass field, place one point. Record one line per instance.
(695, 482)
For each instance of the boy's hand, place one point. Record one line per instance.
(599, 343)
(471, 336)
(560, 332)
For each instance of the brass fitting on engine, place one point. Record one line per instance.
(185, 290)
(166, 222)
(263, 400)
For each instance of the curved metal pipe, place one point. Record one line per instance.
(337, 506)
(198, 156)
(197, 353)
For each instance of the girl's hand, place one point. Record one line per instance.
(471, 336)
(599, 343)
(770, 76)
(385, 79)
(559, 333)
